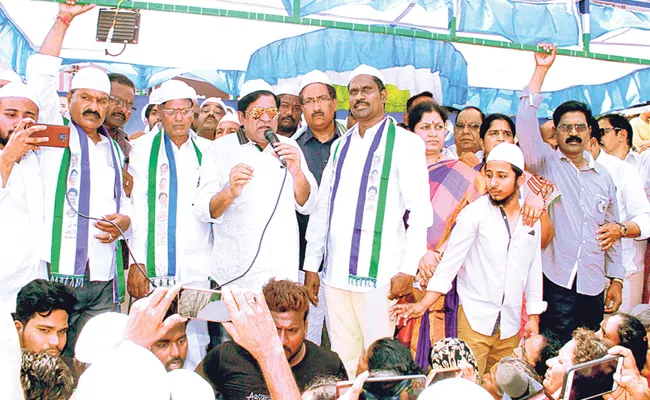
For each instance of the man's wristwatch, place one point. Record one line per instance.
(619, 280)
(623, 230)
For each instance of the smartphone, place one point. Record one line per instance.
(203, 304)
(59, 135)
(440, 374)
(591, 379)
(400, 387)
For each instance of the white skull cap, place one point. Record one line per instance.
(509, 153)
(364, 69)
(252, 86)
(91, 78)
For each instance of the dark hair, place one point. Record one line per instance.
(330, 90)
(476, 109)
(415, 115)
(388, 354)
(550, 349)
(244, 102)
(323, 387)
(44, 376)
(410, 101)
(378, 82)
(642, 313)
(42, 296)
(148, 110)
(632, 334)
(595, 133)
(587, 347)
(283, 296)
(485, 125)
(619, 121)
(571, 106)
(122, 80)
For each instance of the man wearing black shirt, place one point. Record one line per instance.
(234, 373)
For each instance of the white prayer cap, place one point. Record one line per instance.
(252, 86)
(230, 118)
(19, 89)
(455, 388)
(364, 69)
(231, 110)
(154, 99)
(91, 78)
(215, 100)
(128, 372)
(286, 88)
(314, 76)
(174, 90)
(100, 336)
(10, 75)
(509, 153)
(188, 385)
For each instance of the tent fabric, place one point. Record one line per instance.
(310, 7)
(606, 20)
(339, 50)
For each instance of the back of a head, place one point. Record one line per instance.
(284, 296)
(44, 376)
(42, 296)
(633, 336)
(321, 388)
(588, 346)
(455, 388)
(449, 353)
(642, 313)
(388, 354)
(550, 349)
(426, 94)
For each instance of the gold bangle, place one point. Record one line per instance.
(619, 280)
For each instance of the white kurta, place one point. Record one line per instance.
(21, 221)
(237, 233)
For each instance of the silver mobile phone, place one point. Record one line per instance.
(203, 304)
(592, 379)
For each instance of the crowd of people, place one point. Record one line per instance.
(343, 249)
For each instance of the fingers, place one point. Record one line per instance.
(105, 238)
(230, 328)
(357, 387)
(231, 303)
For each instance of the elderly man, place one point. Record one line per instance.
(585, 254)
(467, 141)
(211, 111)
(371, 256)
(250, 196)
(290, 110)
(21, 191)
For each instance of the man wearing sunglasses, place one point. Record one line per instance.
(585, 254)
(251, 197)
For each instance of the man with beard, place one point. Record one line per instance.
(581, 260)
(233, 372)
(211, 112)
(119, 110)
(42, 311)
(21, 191)
(501, 261)
(290, 110)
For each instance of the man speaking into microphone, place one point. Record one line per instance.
(250, 196)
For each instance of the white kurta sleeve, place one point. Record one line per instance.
(43, 76)
(213, 179)
(138, 168)
(310, 204)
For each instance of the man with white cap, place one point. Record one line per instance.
(150, 116)
(251, 197)
(370, 256)
(318, 101)
(8, 76)
(290, 110)
(497, 260)
(228, 124)
(21, 191)
(211, 112)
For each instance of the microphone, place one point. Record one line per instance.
(515, 383)
(271, 137)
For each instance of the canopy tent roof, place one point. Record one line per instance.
(214, 40)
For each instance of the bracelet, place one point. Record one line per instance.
(619, 280)
(63, 19)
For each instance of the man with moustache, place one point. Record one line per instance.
(119, 111)
(582, 257)
(211, 111)
(318, 99)
(371, 258)
(467, 143)
(290, 110)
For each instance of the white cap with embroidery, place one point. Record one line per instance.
(91, 78)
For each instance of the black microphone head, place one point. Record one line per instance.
(512, 381)
(270, 136)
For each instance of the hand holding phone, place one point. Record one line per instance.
(203, 304)
(592, 379)
(57, 135)
(23, 139)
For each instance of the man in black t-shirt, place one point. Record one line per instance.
(234, 373)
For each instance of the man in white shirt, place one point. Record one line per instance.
(21, 192)
(211, 111)
(497, 260)
(633, 210)
(251, 197)
(358, 225)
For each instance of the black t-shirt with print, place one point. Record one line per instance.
(235, 374)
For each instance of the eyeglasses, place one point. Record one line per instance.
(440, 127)
(580, 128)
(496, 132)
(258, 112)
(474, 127)
(310, 102)
(610, 128)
(170, 113)
(122, 103)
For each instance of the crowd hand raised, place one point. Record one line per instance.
(402, 312)
(70, 9)
(137, 283)
(546, 58)
(251, 325)
(608, 233)
(355, 390)
(630, 382)
(312, 283)
(21, 141)
(291, 156)
(146, 323)
(112, 234)
(533, 209)
(240, 175)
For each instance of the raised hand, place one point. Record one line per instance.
(547, 58)
(70, 9)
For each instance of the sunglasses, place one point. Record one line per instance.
(258, 112)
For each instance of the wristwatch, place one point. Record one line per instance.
(623, 230)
